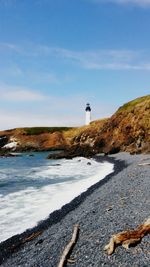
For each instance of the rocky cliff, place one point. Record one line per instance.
(33, 139)
(127, 130)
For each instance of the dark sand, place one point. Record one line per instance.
(119, 202)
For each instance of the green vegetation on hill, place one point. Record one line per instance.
(133, 103)
(41, 130)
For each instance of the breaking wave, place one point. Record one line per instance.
(30, 189)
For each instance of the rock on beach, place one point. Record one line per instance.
(120, 202)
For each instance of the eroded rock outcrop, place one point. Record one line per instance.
(20, 140)
(74, 151)
(127, 130)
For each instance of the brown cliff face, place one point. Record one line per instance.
(42, 142)
(35, 142)
(42, 139)
(85, 135)
(127, 130)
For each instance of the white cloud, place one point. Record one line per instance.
(18, 93)
(10, 71)
(25, 119)
(60, 117)
(43, 77)
(101, 59)
(141, 3)
(53, 111)
(9, 46)
(117, 66)
(12, 119)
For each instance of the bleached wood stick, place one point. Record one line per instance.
(69, 246)
(144, 164)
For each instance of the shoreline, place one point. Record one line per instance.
(54, 217)
(118, 202)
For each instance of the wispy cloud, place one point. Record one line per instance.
(44, 77)
(13, 119)
(101, 59)
(52, 103)
(18, 93)
(23, 107)
(60, 111)
(53, 111)
(9, 47)
(141, 3)
(10, 71)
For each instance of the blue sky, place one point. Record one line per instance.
(56, 55)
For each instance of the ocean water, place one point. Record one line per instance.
(33, 187)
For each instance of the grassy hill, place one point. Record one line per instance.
(128, 129)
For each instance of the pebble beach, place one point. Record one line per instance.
(119, 202)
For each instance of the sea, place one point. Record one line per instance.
(31, 187)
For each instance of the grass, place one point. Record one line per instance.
(94, 125)
(41, 130)
(133, 103)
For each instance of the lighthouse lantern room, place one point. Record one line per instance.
(88, 114)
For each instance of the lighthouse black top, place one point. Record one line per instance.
(88, 108)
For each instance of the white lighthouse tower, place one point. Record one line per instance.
(88, 114)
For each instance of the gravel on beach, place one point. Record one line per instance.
(121, 202)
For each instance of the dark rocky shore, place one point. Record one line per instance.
(119, 202)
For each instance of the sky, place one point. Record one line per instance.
(57, 55)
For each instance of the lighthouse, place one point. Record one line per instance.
(87, 114)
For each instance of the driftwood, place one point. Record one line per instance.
(31, 237)
(69, 246)
(21, 242)
(72, 261)
(128, 237)
(144, 164)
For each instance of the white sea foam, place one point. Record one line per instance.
(23, 209)
(11, 145)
